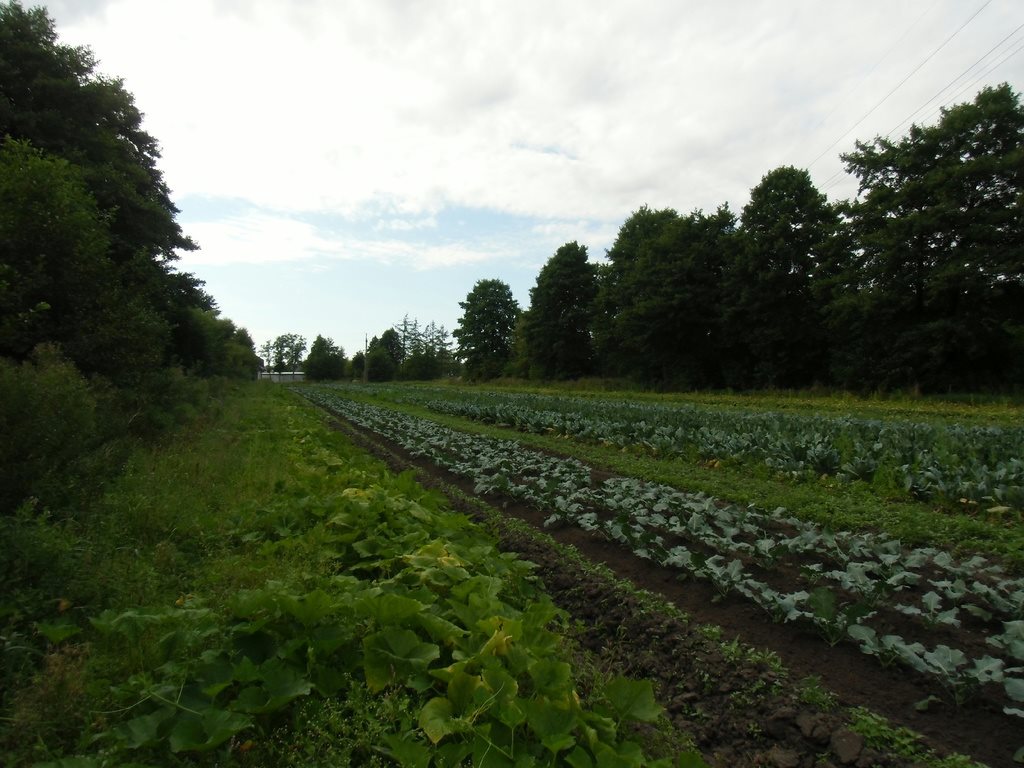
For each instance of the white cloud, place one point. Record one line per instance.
(380, 117)
(345, 107)
(265, 238)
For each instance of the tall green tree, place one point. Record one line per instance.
(326, 360)
(938, 299)
(773, 334)
(288, 351)
(484, 332)
(617, 287)
(52, 98)
(662, 297)
(557, 327)
(57, 280)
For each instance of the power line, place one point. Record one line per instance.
(961, 75)
(833, 180)
(899, 85)
(875, 66)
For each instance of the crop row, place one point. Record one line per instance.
(413, 598)
(850, 586)
(983, 465)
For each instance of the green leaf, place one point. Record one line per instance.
(389, 609)
(201, 734)
(311, 608)
(551, 677)
(1014, 688)
(436, 719)
(461, 689)
(284, 683)
(57, 633)
(579, 758)
(145, 730)
(632, 699)
(393, 655)
(550, 720)
(408, 754)
(823, 603)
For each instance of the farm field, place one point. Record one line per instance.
(948, 626)
(262, 590)
(849, 469)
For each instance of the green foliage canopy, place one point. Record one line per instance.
(556, 328)
(486, 327)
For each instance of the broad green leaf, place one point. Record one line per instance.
(393, 655)
(284, 683)
(440, 630)
(408, 754)
(550, 720)
(389, 609)
(310, 609)
(461, 688)
(551, 677)
(142, 731)
(1014, 688)
(823, 603)
(579, 758)
(57, 633)
(436, 719)
(632, 699)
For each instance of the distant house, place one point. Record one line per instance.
(286, 377)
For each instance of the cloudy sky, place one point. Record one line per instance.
(343, 164)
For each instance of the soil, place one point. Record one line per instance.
(739, 713)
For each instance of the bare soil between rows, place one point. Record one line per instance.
(737, 712)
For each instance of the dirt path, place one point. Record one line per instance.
(741, 713)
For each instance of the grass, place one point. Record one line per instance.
(828, 502)
(161, 531)
(109, 607)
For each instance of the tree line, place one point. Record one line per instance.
(101, 337)
(406, 352)
(918, 282)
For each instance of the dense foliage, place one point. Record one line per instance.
(555, 330)
(485, 332)
(89, 297)
(918, 283)
(850, 582)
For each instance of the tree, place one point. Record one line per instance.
(938, 286)
(52, 100)
(325, 362)
(557, 328)
(380, 364)
(57, 281)
(773, 330)
(288, 350)
(615, 286)
(485, 328)
(358, 365)
(660, 299)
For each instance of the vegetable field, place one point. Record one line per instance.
(951, 622)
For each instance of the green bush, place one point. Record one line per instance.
(48, 417)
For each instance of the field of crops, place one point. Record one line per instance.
(957, 621)
(948, 462)
(323, 611)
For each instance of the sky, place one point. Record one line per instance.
(345, 164)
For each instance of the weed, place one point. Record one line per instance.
(813, 693)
